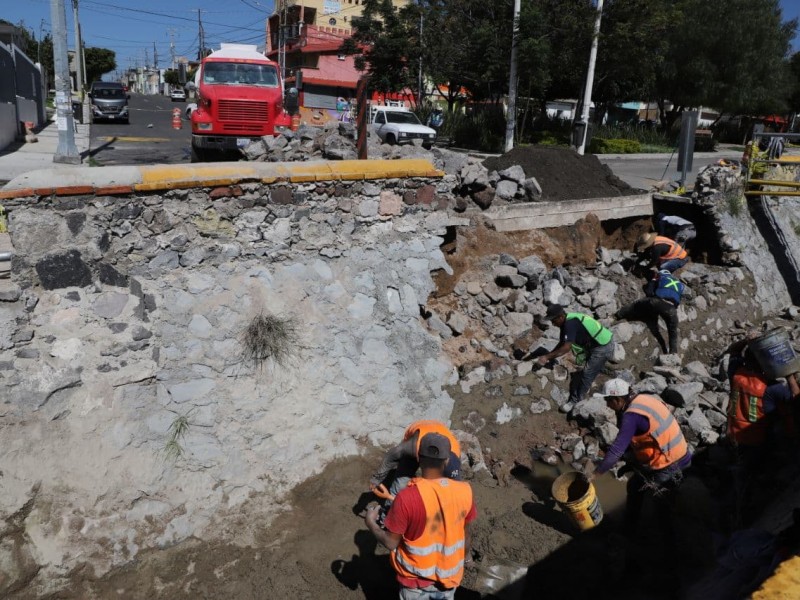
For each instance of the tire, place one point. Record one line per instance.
(390, 139)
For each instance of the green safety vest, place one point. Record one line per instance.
(598, 333)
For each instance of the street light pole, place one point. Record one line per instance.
(587, 92)
(511, 113)
(66, 152)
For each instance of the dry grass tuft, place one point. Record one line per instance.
(270, 337)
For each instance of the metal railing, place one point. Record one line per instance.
(757, 182)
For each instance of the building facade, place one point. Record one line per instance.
(304, 37)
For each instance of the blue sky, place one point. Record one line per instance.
(130, 28)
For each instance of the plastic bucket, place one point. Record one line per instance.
(775, 354)
(576, 496)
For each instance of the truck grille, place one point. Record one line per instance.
(243, 110)
(242, 128)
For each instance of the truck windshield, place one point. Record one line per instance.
(225, 73)
(402, 117)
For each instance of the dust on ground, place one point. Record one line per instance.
(562, 173)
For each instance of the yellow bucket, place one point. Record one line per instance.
(576, 495)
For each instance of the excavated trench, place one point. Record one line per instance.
(525, 547)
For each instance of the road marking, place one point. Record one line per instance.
(132, 138)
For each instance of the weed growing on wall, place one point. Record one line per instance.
(173, 449)
(3, 221)
(270, 337)
(734, 201)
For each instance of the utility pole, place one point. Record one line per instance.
(201, 37)
(155, 57)
(587, 92)
(78, 49)
(511, 112)
(39, 49)
(172, 48)
(66, 152)
(419, 76)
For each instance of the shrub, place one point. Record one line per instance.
(704, 143)
(614, 146)
(481, 130)
(550, 138)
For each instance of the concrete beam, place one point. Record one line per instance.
(539, 215)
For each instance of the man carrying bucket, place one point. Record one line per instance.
(647, 426)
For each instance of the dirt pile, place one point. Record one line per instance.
(562, 173)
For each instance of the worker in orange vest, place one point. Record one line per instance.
(402, 461)
(665, 253)
(757, 405)
(427, 527)
(647, 426)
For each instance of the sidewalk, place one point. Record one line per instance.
(21, 157)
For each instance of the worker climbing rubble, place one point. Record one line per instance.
(427, 527)
(591, 343)
(401, 462)
(660, 451)
(760, 416)
(662, 252)
(662, 296)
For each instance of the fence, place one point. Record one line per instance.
(22, 93)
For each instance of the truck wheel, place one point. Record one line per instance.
(390, 139)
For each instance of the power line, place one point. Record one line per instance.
(155, 13)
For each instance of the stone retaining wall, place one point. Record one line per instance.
(127, 313)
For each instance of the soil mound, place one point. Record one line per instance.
(563, 174)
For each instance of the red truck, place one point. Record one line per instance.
(240, 98)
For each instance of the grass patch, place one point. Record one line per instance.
(734, 202)
(270, 338)
(3, 220)
(92, 162)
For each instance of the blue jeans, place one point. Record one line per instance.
(595, 361)
(673, 265)
(427, 593)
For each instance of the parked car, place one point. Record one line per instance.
(178, 95)
(394, 125)
(109, 102)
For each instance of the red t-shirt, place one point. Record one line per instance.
(407, 518)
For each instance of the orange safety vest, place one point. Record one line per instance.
(438, 554)
(675, 249)
(663, 444)
(746, 423)
(426, 427)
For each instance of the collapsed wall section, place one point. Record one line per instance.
(126, 322)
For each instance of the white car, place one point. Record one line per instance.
(395, 125)
(178, 94)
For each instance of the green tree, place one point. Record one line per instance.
(732, 59)
(98, 62)
(793, 69)
(381, 43)
(171, 77)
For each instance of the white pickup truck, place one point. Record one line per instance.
(394, 125)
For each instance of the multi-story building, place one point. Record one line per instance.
(304, 37)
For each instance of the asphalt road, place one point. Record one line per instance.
(148, 139)
(645, 172)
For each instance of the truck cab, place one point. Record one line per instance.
(240, 99)
(396, 125)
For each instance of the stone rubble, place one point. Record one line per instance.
(466, 177)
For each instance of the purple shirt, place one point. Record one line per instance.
(632, 424)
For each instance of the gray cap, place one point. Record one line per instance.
(434, 445)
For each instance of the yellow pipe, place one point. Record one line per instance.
(772, 193)
(795, 184)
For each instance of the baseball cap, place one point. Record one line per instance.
(616, 388)
(434, 445)
(645, 241)
(554, 310)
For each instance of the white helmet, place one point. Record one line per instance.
(616, 388)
